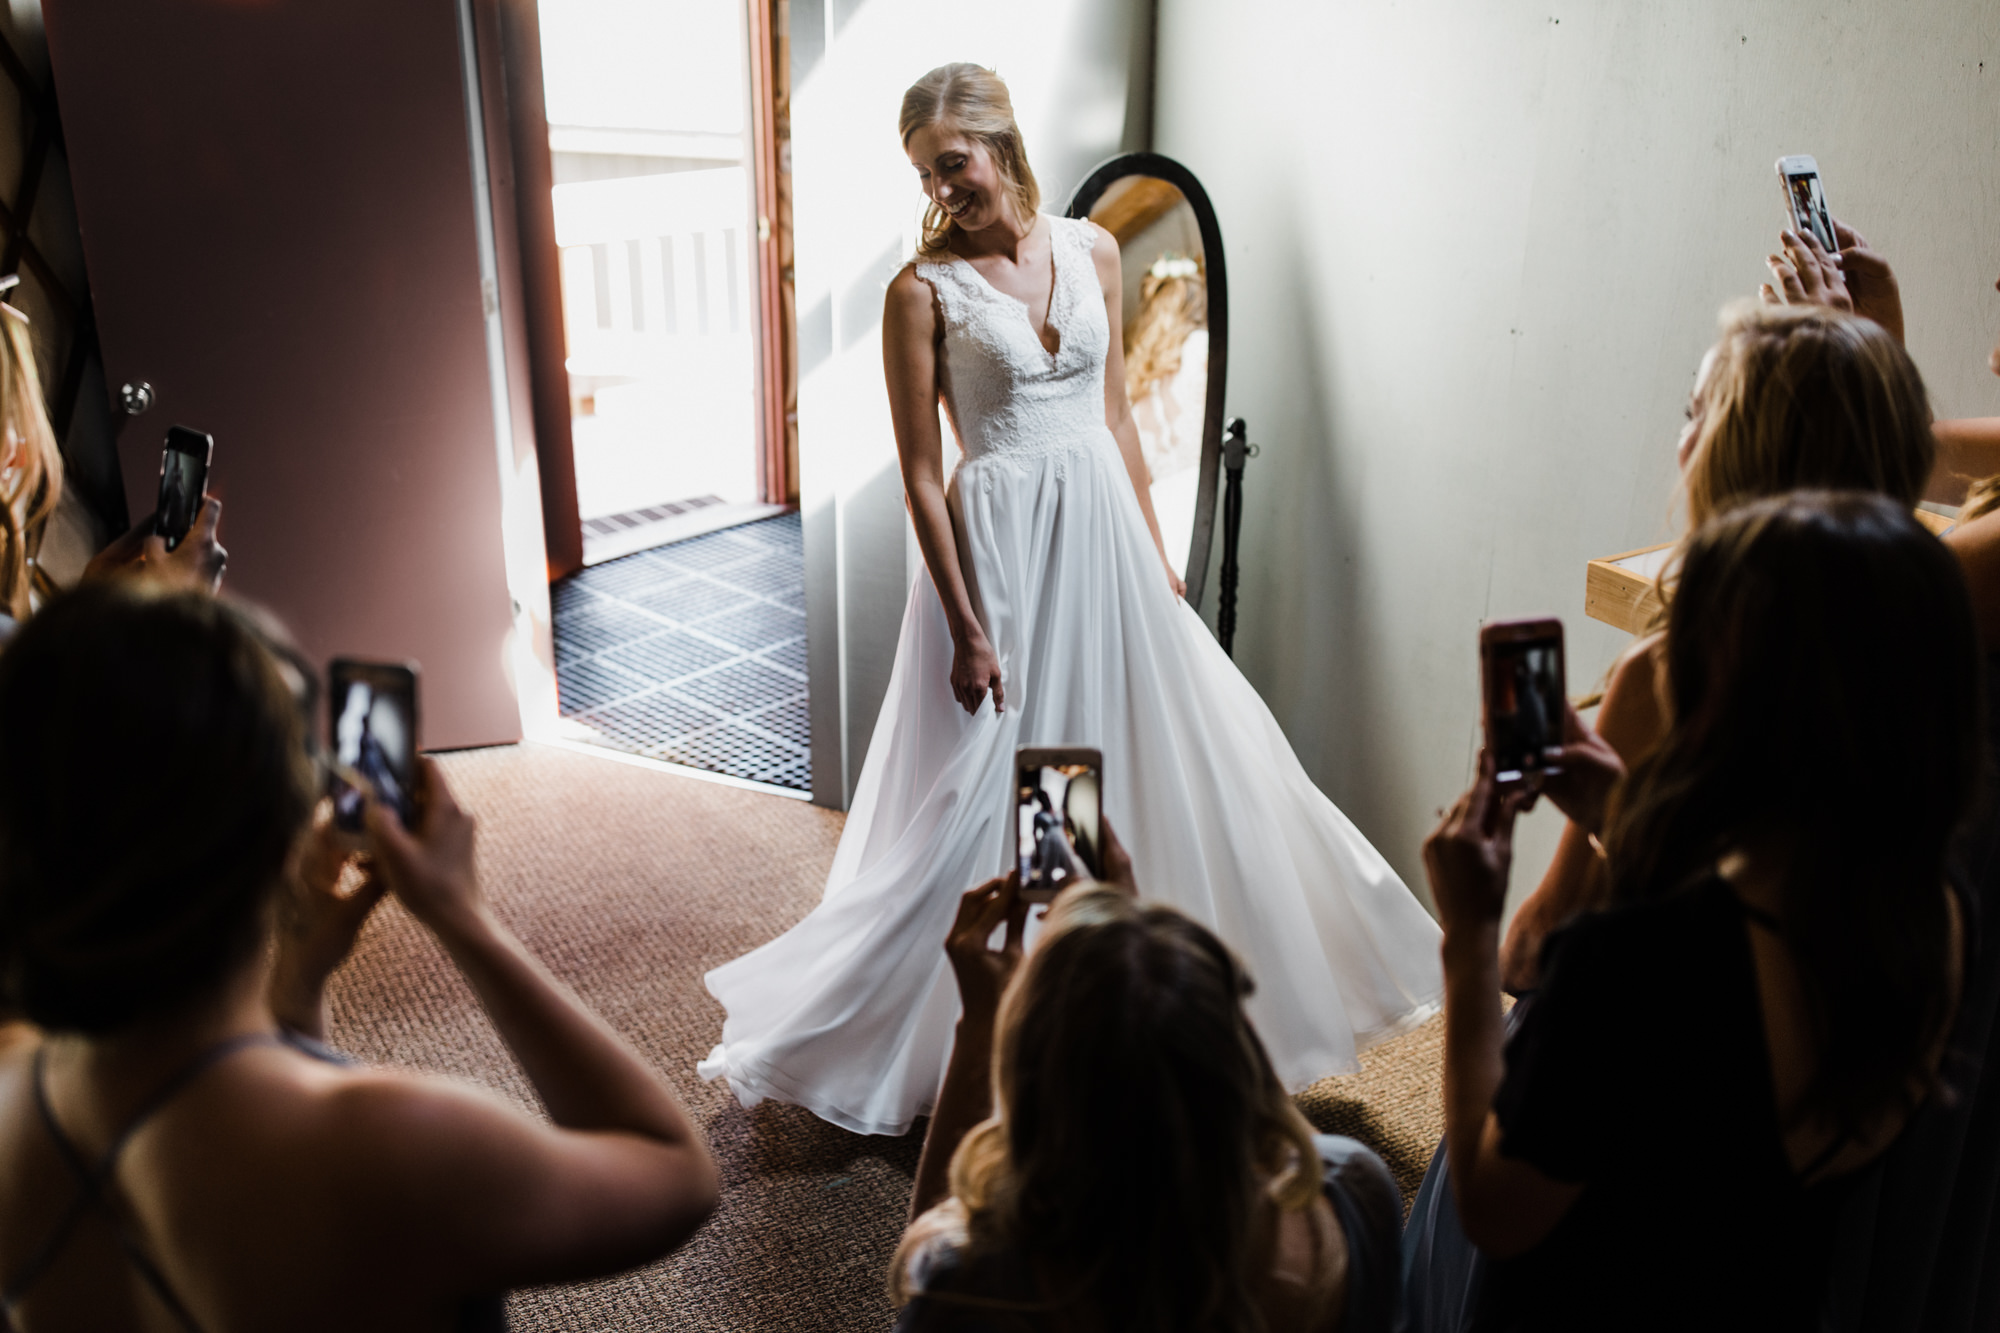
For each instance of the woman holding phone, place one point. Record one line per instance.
(1789, 397)
(1048, 615)
(1924, 1239)
(1675, 1121)
(178, 1150)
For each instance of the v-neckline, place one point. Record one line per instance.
(1027, 311)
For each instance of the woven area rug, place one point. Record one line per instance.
(630, 883)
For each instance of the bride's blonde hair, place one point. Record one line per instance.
(972, 100)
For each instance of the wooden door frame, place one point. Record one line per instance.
(767, 26)
(540, 264)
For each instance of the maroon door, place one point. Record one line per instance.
(276, 199)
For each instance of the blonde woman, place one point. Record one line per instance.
(1140, 1166)
(31, 482)
(32, 474)
(1789, 398)
(1048, 614)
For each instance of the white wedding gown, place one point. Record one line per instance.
(850, 1013)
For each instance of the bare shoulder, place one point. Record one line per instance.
(910, 305)
(16, 1039)
(1103, 250)
(406, 1150)
(1631, 717)
(907, 286)
(1977, 546)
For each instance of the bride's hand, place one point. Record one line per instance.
(975, 668)
(1177, 583)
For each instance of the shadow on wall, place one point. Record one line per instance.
(1308, 629)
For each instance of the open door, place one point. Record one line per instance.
(290, 237)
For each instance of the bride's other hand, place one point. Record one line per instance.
(983, 971)
(975, 668)
(1177, 583)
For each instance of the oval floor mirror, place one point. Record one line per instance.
(1176, 312)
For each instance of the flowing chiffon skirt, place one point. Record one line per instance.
(850, 1013)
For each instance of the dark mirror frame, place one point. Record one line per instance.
(1165, 168)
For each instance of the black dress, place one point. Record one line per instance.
(1919, 1248)
(1640, 1071)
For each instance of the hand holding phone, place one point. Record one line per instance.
(183, 481)
(1523, 697)
(372, 712)
(1805, 201)
(1056, 813)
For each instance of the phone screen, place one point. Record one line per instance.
(374, 718)
(1809, 209)
(183, 478)
(1056, 822)
(1524, 703)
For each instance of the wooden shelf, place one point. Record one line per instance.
(1620, 590)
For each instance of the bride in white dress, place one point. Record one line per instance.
(1048, 615)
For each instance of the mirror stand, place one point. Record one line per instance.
(1236, 451)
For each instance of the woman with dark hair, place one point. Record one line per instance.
(1921, 1244)
(1142, 1168)
(1684, 1105)
(173, 1155)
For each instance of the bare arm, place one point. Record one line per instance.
(1632, 720)
(983, 973)
(1507, 1206)
(1977, 546)
(624, 1175)
(1117, 405)
(1968, 450)
(910, 332)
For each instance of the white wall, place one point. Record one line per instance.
(1476, 248)
(856, 206)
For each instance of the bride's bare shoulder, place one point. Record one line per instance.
(910, 307)
(1103, 244)
(1104, 254)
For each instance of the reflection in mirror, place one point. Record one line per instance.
(1166, 340)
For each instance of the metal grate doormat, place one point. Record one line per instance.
(694, 653)
(612, 524)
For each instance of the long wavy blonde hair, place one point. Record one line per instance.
(31, 470)
(1171, 306)
(972, 100)
(1140, 1133)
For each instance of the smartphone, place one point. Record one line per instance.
(1058, 793)
(1522, 694)
(1805, 200)
(372, 715)
(183, 480)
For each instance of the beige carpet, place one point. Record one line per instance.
(630, 884)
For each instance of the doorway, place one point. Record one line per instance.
(648, 112)
(682, 638)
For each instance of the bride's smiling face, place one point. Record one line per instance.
(960, 176)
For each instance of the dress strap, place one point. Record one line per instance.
(93, 1181)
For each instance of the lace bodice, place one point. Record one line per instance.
(1008, 395)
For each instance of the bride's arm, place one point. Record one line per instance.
(1118, 407)
(909, 360)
